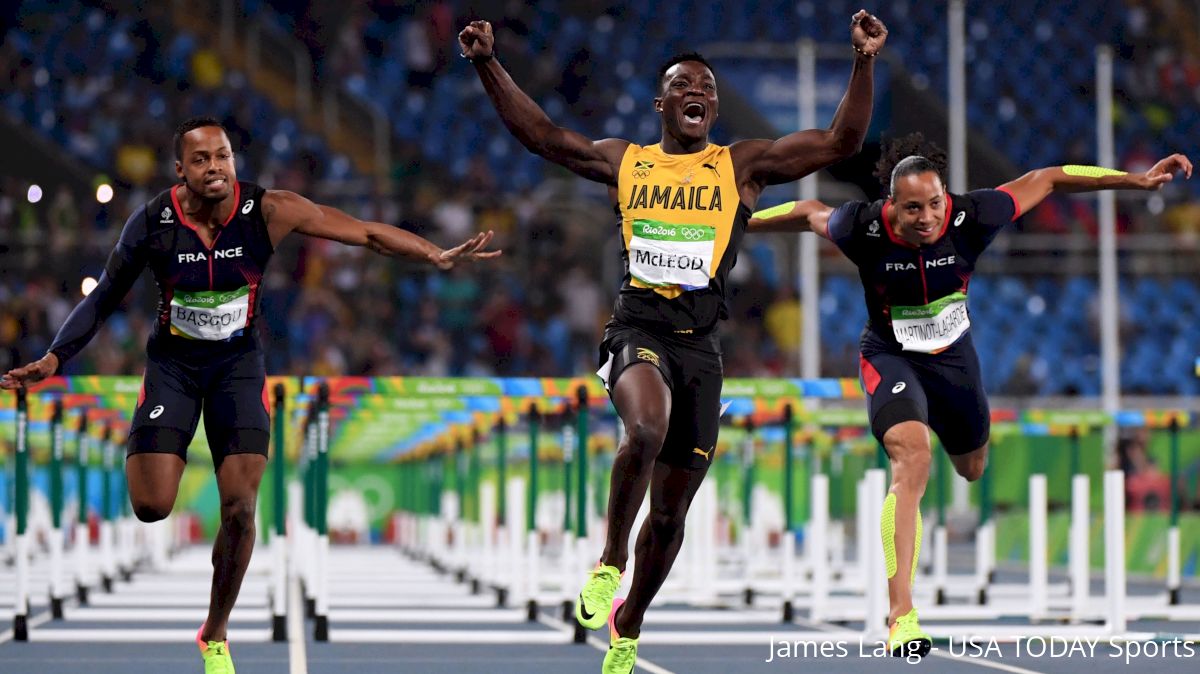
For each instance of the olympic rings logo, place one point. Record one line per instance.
(693, 233)
(641, 173)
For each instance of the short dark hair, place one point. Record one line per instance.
(191, 124)
(680, 58)
(909, 155)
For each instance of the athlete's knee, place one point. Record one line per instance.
(908, 446)
(151, 512)
(666, 523)
(238, 512)
(971, 466)
(645, 436)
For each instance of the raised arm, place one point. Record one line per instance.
(1030, 189)
(798, 154)
(794, 216)
(594, 160)
(287, 212)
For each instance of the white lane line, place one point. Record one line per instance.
(600, 645)
(297, 658)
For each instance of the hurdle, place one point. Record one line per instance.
(56, 542)
(278, 550)
(82, 542)
(21, 508)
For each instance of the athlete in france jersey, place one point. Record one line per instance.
(207, 242)
(915, 253)
(917, 294)
(683, 204)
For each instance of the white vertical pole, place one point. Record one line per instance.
(810, 272)
(1109, 344)
(819, 531)
(1038, 572)
(1078, 551)
(957, 151)
(957, 77)
(877, 593)
(862, 505)
(1114, 551)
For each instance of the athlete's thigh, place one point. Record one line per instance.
(894, 392)
(958, 404)
(696, 411)
(239, 476)
(637, 373)
(236, 408)
(169, 400)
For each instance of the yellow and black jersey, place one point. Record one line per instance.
(682, 222)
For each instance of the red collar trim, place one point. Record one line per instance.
(237, 198)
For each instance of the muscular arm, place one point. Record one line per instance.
(594, 160)
(287, 212)
(794, 216)
(124, 265)
(1030, 189)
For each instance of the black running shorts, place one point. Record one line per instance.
(943, 390)
(693, 371)
(230, 389)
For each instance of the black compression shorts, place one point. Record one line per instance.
(943, 390)
(231, 390)
(693, 373)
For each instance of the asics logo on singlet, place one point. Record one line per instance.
(156, 412)
(959, 220)
(899, 387)
(249, 205)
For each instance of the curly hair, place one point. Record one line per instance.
(909, 155)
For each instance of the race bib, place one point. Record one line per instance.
(932, 327)
(211, 315)
(662, 254)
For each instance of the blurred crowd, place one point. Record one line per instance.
(108, 84)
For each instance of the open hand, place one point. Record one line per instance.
(1164, 172)
(32, 373)
(470, 251)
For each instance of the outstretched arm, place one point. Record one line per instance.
(287, 211)
(794, 216)
(798, 154)
(594, 160)
(1030, 189)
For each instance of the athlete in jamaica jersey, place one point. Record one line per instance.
(915, 252)
(207, 241)
(682, 205)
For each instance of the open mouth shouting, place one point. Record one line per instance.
(694, 114)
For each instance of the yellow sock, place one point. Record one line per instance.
(916, 548)
(887, 526)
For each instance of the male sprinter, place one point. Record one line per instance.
(682, 207)
(207, 241)
(915, 253)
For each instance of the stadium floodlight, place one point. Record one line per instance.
(88, 285)
(34, 194)
(104, 193)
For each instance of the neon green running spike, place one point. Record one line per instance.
(595, 599)
(216, 655)
(905, 638)
(621, 656)
(622, 651)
